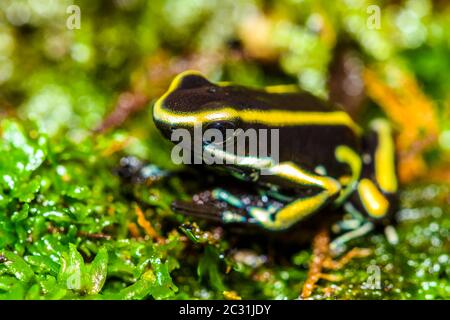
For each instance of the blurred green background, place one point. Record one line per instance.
(77, 80)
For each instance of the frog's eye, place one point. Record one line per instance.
(223, 128)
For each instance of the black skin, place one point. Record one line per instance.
(306, 146)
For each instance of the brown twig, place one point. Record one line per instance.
(134, 231)
(147, 226)
(128, 103)
(320, 252)
(412, 111)
(321, 259)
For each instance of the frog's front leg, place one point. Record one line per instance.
(273, 218)
(229, 216)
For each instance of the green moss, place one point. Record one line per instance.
(65, 215)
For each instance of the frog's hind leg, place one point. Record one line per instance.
(375, 194)
(338, 245)
(374, 199)
(351, 227)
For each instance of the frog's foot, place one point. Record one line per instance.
(221, 206)
(225, 196)
(338, 245)
(252, 214)
(201, 211)
(353, 226)
(391, 235)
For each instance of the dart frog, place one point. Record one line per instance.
(324, 158)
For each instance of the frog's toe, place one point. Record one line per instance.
(233, 217)
(210, 212)
(202, 211)
(225, 196)
(338, 245)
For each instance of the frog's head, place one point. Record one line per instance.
(193, 101)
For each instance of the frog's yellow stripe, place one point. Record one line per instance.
(347, 155)
(385, 157)
(278, 88)
(231, 158)
(282, 88)
(372, 199)
(290, 171)
(291, 214)
(294, 118)
(268, 117)
(158, 107)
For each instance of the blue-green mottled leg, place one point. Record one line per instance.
(267, 194)
(274, 194)
(355, 226)
(227, 197)
(229, 216)
(353, 212)
(346, 225)
(255, 213)
(338, 245)
(354, 221)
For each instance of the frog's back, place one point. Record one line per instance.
(194, 93)
(258, 99)
(310, 128)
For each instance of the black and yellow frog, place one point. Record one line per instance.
(323, 159)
